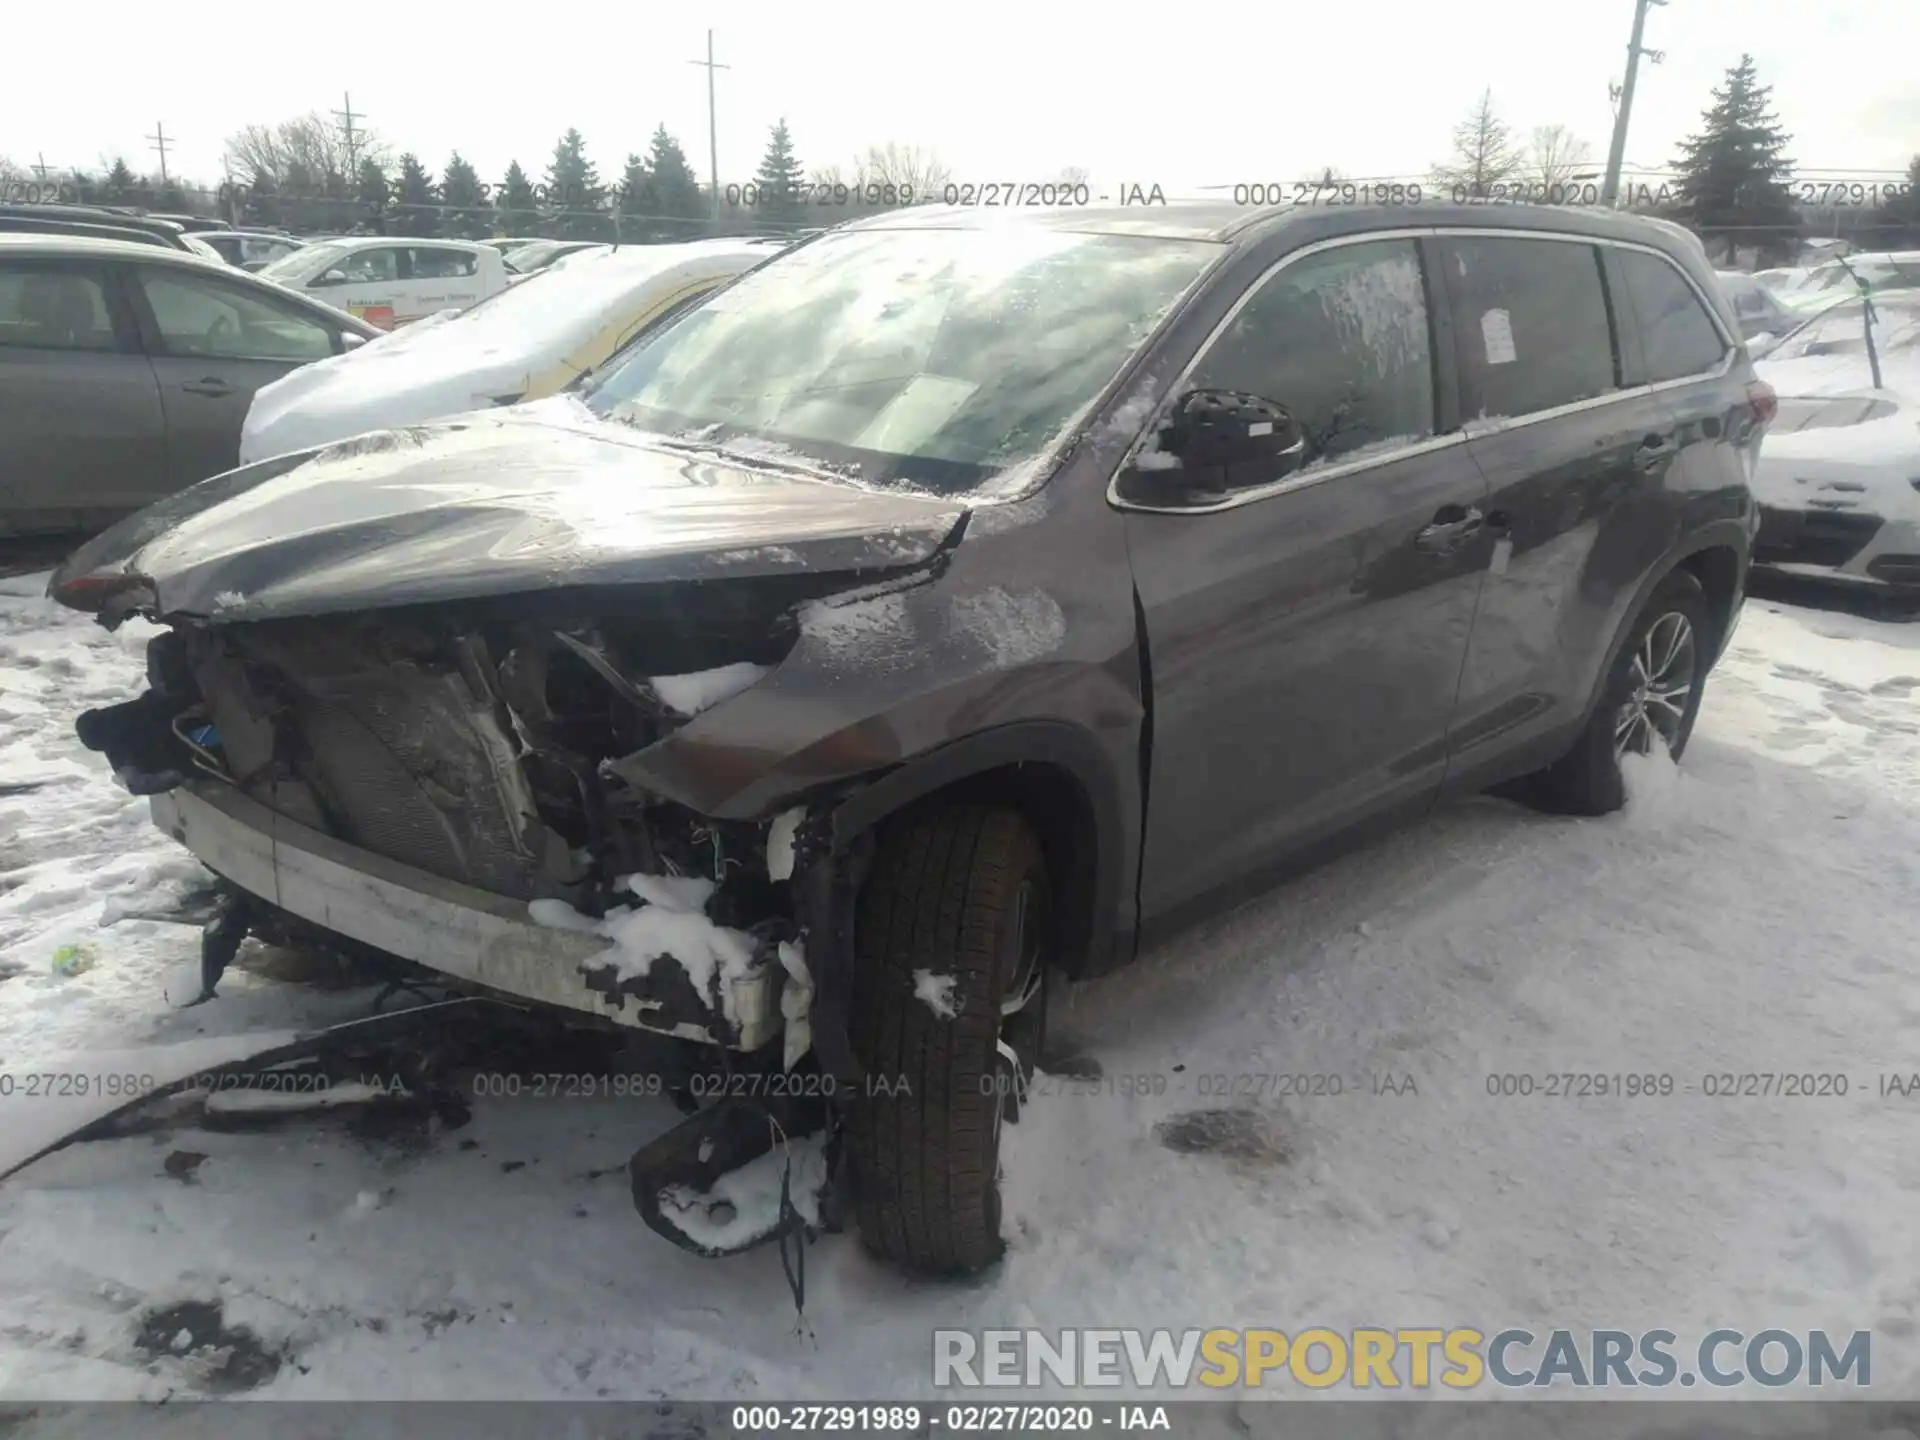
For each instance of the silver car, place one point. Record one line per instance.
(126, 372)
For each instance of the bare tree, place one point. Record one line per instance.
(308, 147)
(827, 177)
(906, 167)
(1484, 155)
(1071, 175)
(1555, 157)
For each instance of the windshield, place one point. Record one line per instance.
(935, 358)
(300, 261)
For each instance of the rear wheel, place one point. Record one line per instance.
(1651, 698)
(948, 1002)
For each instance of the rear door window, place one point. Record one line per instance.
(1678, 336)
(1530, 323)
(51, 307)
(435, 262)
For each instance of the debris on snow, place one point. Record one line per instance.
(744, 1204)
(703, 689)
(936, 993)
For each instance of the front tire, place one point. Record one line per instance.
(1652, 697)
(956, 892)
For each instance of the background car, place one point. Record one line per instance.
(1757, 308)
(525, 343)
(126, 371)
(1839, 476)
(1833, 280)
(389, 280)
(99, 222)
(252, 249)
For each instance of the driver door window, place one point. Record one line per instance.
(202, 318)
(1339, 339)
(377, 265)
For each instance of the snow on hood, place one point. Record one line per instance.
(499, 502)
(457, 361)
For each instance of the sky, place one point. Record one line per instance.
(1235, 94)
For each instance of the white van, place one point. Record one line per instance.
(390, 280)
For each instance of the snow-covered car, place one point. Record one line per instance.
(525, 343)
(389, 281)
(1763, 319)
(1834, 280)
(1839, 475)
(532, 258)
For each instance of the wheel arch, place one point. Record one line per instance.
(1715, 556)
(1058, 778)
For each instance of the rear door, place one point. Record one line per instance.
(213, 343)
(1305, 636)
(82, 432)
(1576, 453)
(435, 278)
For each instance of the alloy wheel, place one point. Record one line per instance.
(1661, 678)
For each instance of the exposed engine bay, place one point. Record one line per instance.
(475, 744)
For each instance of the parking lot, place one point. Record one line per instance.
(1747, 914)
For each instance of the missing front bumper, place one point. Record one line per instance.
(457, 930)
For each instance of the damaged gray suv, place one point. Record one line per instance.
(954, 600)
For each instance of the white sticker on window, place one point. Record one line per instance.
(1496, 329)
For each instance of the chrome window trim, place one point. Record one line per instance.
(1469, 429)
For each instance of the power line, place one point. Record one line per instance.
(713, 133)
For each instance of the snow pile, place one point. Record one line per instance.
(744, 1204)
(703, 689)
(780, 835)
(670, 923)
(936, 993)
(1015, 629)
(1654, 786)
(796, 1003)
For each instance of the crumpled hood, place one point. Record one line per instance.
(517, 500)
(406, 377)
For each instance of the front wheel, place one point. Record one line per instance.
(950, 950)
(1651, 699)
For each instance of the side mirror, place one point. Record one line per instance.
(1214, 442)
(332, 277)
(351, 340)
(1760, 344)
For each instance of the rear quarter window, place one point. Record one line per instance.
(1677, 333)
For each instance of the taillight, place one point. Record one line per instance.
(1762, 401)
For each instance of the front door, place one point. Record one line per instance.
(213, 344)
(1305, 636)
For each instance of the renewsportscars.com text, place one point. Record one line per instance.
(1392, 1359)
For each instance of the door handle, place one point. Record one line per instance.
(1452, 527)
(212, 385)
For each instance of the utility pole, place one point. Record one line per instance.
(713, 133)
(41, 168)
(346, 117)
(1610, 187)
(159, 142)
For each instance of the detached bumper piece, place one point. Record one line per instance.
(456, 930)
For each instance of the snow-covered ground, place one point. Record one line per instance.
(1752, 912)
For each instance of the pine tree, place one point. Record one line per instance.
(633, 200)
(170, 198)
(262, 206)
(466, 216)
(576, 200)
(676, 194)
(514, 210)
(372, 189)
(417, 212)
(297, 190)
(122, 186)
(1732, 183)
(779, 180)
(1484, 156)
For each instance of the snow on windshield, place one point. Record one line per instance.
(937, 358)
